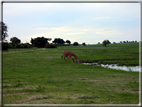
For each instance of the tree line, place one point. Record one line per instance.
(40, 42)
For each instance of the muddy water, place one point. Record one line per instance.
(115, 66)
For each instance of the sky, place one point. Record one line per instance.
(78, 22)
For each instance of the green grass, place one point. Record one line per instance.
(40, 76)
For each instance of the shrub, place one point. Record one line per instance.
(13, 45)
(51, 46)
(25, 45)
(29, 45)
(20, 46)
(10, 45)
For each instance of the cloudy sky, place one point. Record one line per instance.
(78, 22)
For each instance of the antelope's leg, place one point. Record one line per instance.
(65, 58)
(70, 58)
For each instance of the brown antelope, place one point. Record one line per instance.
(69, 54)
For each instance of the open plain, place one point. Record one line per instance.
(41, 76)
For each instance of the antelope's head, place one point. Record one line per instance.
(78, 60)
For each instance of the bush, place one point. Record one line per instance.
(29, 45)
(10, 45)
(26, 45)
(51, 46)
(13, 45)
(4, 46)
(20, 46)
(23, 45)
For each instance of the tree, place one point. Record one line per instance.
(124, 42)
(68, 41)
(15, 40)
(105, 42)
(61, 41)
(83, 44)
(58, 41)
(40, 42)
(55, 41)
(114, 42)
(99, 43)
(3, 30)
(32, 41)
(75, 44)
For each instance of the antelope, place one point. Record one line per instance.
(69, 54)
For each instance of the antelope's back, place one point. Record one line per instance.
(67, 53)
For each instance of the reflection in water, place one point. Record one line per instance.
(115, 66)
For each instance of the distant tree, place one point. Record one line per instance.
(58, 41)
(55, 41)
(105, 42)
(40, 42)
(114, 42)
(124, 42)
(84, 44)
(99, 43)
(3, 30)
(61, 41)
(32, 41)
(49, 39)
(75, 44)
(15, 40)
(68, 41)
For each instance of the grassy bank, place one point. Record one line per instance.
(40, 76)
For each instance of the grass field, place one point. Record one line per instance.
(40, 76)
